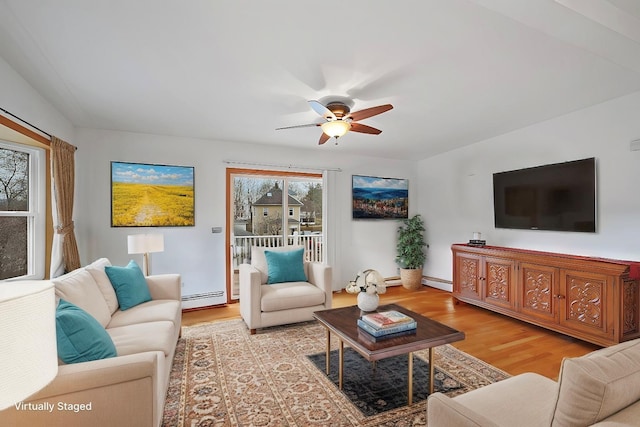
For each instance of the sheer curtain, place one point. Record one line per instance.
(64, 251)
(330, 214)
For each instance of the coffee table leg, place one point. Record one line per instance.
(410, 379)
(340, 363)
(328, 357)
(431, 370)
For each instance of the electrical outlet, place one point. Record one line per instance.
(183, 284)
(216, 229)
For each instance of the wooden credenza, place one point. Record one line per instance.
(593, 299)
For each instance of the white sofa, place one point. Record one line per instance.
(601, 388)
(126, 390)
(263, 305)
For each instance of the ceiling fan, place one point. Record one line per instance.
(339, 119)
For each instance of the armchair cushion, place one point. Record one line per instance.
(285, 266)
(290, 295)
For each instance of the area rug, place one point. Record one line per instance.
(223, 376)
(384, 386)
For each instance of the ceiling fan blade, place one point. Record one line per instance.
(323, 138)
(369, 112)
(359, 127)
(300, 126)
(322, 110)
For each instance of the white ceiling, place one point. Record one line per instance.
(456, 71)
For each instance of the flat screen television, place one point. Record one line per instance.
(560, 197)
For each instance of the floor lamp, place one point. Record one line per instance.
(145, 244)
(28, 349)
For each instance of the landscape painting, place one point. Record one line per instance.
(146, 195)
(379, 198)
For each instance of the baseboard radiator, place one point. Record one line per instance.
(434, 282)
(204, 299)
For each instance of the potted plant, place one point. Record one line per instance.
(410, 249)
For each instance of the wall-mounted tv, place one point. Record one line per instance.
(560, 197)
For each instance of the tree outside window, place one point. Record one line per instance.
(14, 209)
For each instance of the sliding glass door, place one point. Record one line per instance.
(271, 209)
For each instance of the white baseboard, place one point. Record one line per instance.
(438, 284)
(434, 282)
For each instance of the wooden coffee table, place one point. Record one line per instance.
(343, 323)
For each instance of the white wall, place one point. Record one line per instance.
(452, 191)
(195, 252)
(456, 193)
(19, 98)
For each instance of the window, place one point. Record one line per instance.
(22, 211)
(290, 211)
(265, 211)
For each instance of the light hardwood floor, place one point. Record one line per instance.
(506, 343)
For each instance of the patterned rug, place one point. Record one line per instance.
(222, 376)
(384, 387)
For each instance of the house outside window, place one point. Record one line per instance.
(290, 211)
(22, 211)
(265, 211)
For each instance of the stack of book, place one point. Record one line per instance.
(385, 325)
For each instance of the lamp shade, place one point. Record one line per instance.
(145, 243)
(335, 128)
(28, 350)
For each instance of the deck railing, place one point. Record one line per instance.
(313, 244)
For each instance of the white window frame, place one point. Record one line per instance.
(36, 215)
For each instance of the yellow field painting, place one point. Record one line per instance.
(148, 205)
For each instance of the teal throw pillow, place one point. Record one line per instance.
(79, 336)
(285, 266)
(129, 283)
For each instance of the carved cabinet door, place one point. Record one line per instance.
(586, 302)
(467, 281)
(499, 282)
(538, 291)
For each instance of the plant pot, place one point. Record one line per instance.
(411, 278)
(368, 302)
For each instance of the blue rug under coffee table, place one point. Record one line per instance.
(383, 388)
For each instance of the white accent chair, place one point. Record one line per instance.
(263, 305)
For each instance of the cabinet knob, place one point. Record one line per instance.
(560, 296)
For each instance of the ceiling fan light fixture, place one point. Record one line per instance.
(335, 128)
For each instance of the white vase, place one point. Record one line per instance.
(368, 302)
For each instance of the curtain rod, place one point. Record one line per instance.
(290, 166)
(25, 122)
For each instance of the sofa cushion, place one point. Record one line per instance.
(597, 385)
(528, 398)
(285, 266)
(130, 285)
(150, 311)
(150, 336)
(628, 416)
(79, 288)
(284, 296)
(96, 269)
(80, 338)
(259, 261)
